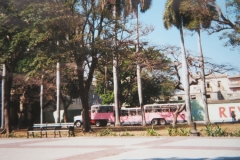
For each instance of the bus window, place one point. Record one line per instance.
(173, 109)
(165, 106)
(109, 109)
(94, 109)
(124, 112)
(156, 109)
(165, 109)
(148, 109)
(133, 112)
(105, 109)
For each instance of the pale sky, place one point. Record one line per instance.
(212, 47)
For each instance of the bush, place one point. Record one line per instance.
(106, 132)
(151, 132)
(126, 134)
(174, 131)
(216, 131)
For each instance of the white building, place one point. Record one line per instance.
(218, 86)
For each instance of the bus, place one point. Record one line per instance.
(155, 114)
(102, 114)
(163, 113)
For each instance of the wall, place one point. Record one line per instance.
(219, 111)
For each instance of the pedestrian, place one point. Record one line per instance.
(233, 116)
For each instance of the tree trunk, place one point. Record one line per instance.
(139, 81)
(41, 101)
(58, 92)
(65, 117)
(115, 70)
(185, 75)
(21, 109)
(8, 85)
(203, 84)
(176, 113)
(3, 95)
(65, 107)
(85, 114)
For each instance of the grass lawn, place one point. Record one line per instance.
(223, 129)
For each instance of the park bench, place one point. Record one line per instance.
(55, 128)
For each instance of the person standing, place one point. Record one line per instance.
(233, 116)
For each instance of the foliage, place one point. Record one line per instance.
(151, 132)
(174, 131)
(228, 22)
(156, 78)
(216, 131)
(237, 134)
(126, 134)
(106, 132)
(199, 14)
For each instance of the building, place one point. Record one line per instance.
(218, 87)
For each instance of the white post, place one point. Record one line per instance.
(3, 94)
(58, 92)
(41, 102)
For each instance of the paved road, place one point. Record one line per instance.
(119, 148)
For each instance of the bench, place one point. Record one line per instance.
(51, 127)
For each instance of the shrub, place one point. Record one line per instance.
(126, 134)
(151, 132)
(216, 131)
(106, 132)
(174, 131)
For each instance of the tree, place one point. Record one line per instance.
(158, 83)
(80, 36)
(173, 16)
(14, 39)
(115, 7)
(200, 14)
(228, 21)
(132, 7)
(194, 69)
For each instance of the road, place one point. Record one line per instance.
(120, 148)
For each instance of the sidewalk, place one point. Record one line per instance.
(120, 148)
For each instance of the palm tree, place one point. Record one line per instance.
(131, 6)
(200, 14)
(173, 17)
(116, 7)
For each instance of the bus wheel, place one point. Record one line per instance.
(98, 123)
(162, 121)
(154, 122)
(78, 124)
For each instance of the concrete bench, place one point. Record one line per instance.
(56, 128)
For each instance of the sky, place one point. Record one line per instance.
(211, 45)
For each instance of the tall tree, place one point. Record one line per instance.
(14, 39)
(131, 6)
(200, 14)
(173, 17)
(156, 76)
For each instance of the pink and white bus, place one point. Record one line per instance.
(102, 114)
(154, 114)
(163, 113)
